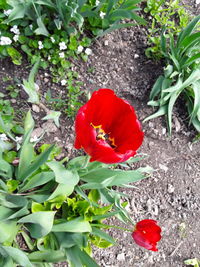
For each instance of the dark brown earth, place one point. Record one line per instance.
(171, 196)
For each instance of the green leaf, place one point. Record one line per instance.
(62, 189)
(15, 55)
(18, 256)
(103, 235)
(37, 180)
(35, 165)
(8, 230)
(39, 223)
(5, 169)
(161, 111)
(196, 108)
(53, 115)
(41, 30)
(28, 122)
(47, 256)
(85, 258)
(77, 225)
(62, 175)
(18, 12)
(157, 87)
(12, 201)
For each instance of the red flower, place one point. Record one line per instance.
(147, 234)
(107, 128)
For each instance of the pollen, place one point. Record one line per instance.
(102, 135)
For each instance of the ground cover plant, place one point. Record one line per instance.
(181, 76)
(58, 207)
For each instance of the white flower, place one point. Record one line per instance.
(5, 40)
(7, 12)
(63, 82)
(88, 51)
(3, 137)
(31, 26)
(49, 57)
(16, 37)
(97, 2)
(40, 44)
(34, 139)
(102, 14)
(15, 30)
(80, 49)
(62, 46)
(61, 54)
(18, 139)
(52, 39)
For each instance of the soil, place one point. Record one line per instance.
(171, 195)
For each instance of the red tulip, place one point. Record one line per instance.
(107, 128)
(147, 234)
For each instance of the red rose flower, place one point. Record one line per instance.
(107, 128)
(147, 234)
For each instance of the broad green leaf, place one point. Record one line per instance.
(18, 12)
(114, 27)
(8, 230)
(72, 258)
(5, 213)
(15, 55)
(191, 60)
(85, 258)
(62, 175)
(196, 89)
(77, 225)
(12, 201)
(5, 169)
(48, 3)
(47, 256)
(37, 180)
(190, 41)
(39, 223)
(62, 189)
(28, 122)
(18, 256)
(30, 89)
(22, 212)
(36, 164)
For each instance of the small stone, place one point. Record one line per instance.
(170, 189)
(106, 42)
(164, 130)
(35, 108)
(121, 257)
(37, 132)
(49, 127)
(13, 100)
(177, 124)
(163, 167)
(46, 80)
(136, 56)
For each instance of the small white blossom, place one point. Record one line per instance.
(62, 46)
(7, 12)
(61, 54)
(102, 14)
(52, 39)
(40, 44)
(31, 26)
(15, 30)
(3, 137)
(16, 37)
(49, 57)
(97, 2)
(88, 51)
(80, 49)
(63, 82)
(5, 40)
(34, 139)
(18, 139)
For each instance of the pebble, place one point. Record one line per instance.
(163, 167)
(121, 257)
(170, 189)
(35, 108)
(136, 56)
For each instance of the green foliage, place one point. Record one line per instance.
(193, 262)
(181, 76)
(170, 15)
(57, 208)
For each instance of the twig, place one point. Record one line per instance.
(178, 246)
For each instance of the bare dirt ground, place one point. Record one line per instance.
(171, 196)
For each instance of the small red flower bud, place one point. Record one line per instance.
(147, 234)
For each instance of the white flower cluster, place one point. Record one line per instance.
(88, 51)
(62, 46)
(40, 45)
(61, 54)
(16, 31)
(3, 137)
(63, 82)
(5, 40)
(7, 12)
(102, 14)
(52, 39)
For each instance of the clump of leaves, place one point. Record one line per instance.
(181, 76)
(169, 14)
(58, 208)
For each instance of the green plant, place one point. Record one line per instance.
(170, 15)
(181, 76)
(55, 207)
(194, 262)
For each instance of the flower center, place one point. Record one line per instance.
(102, 135)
